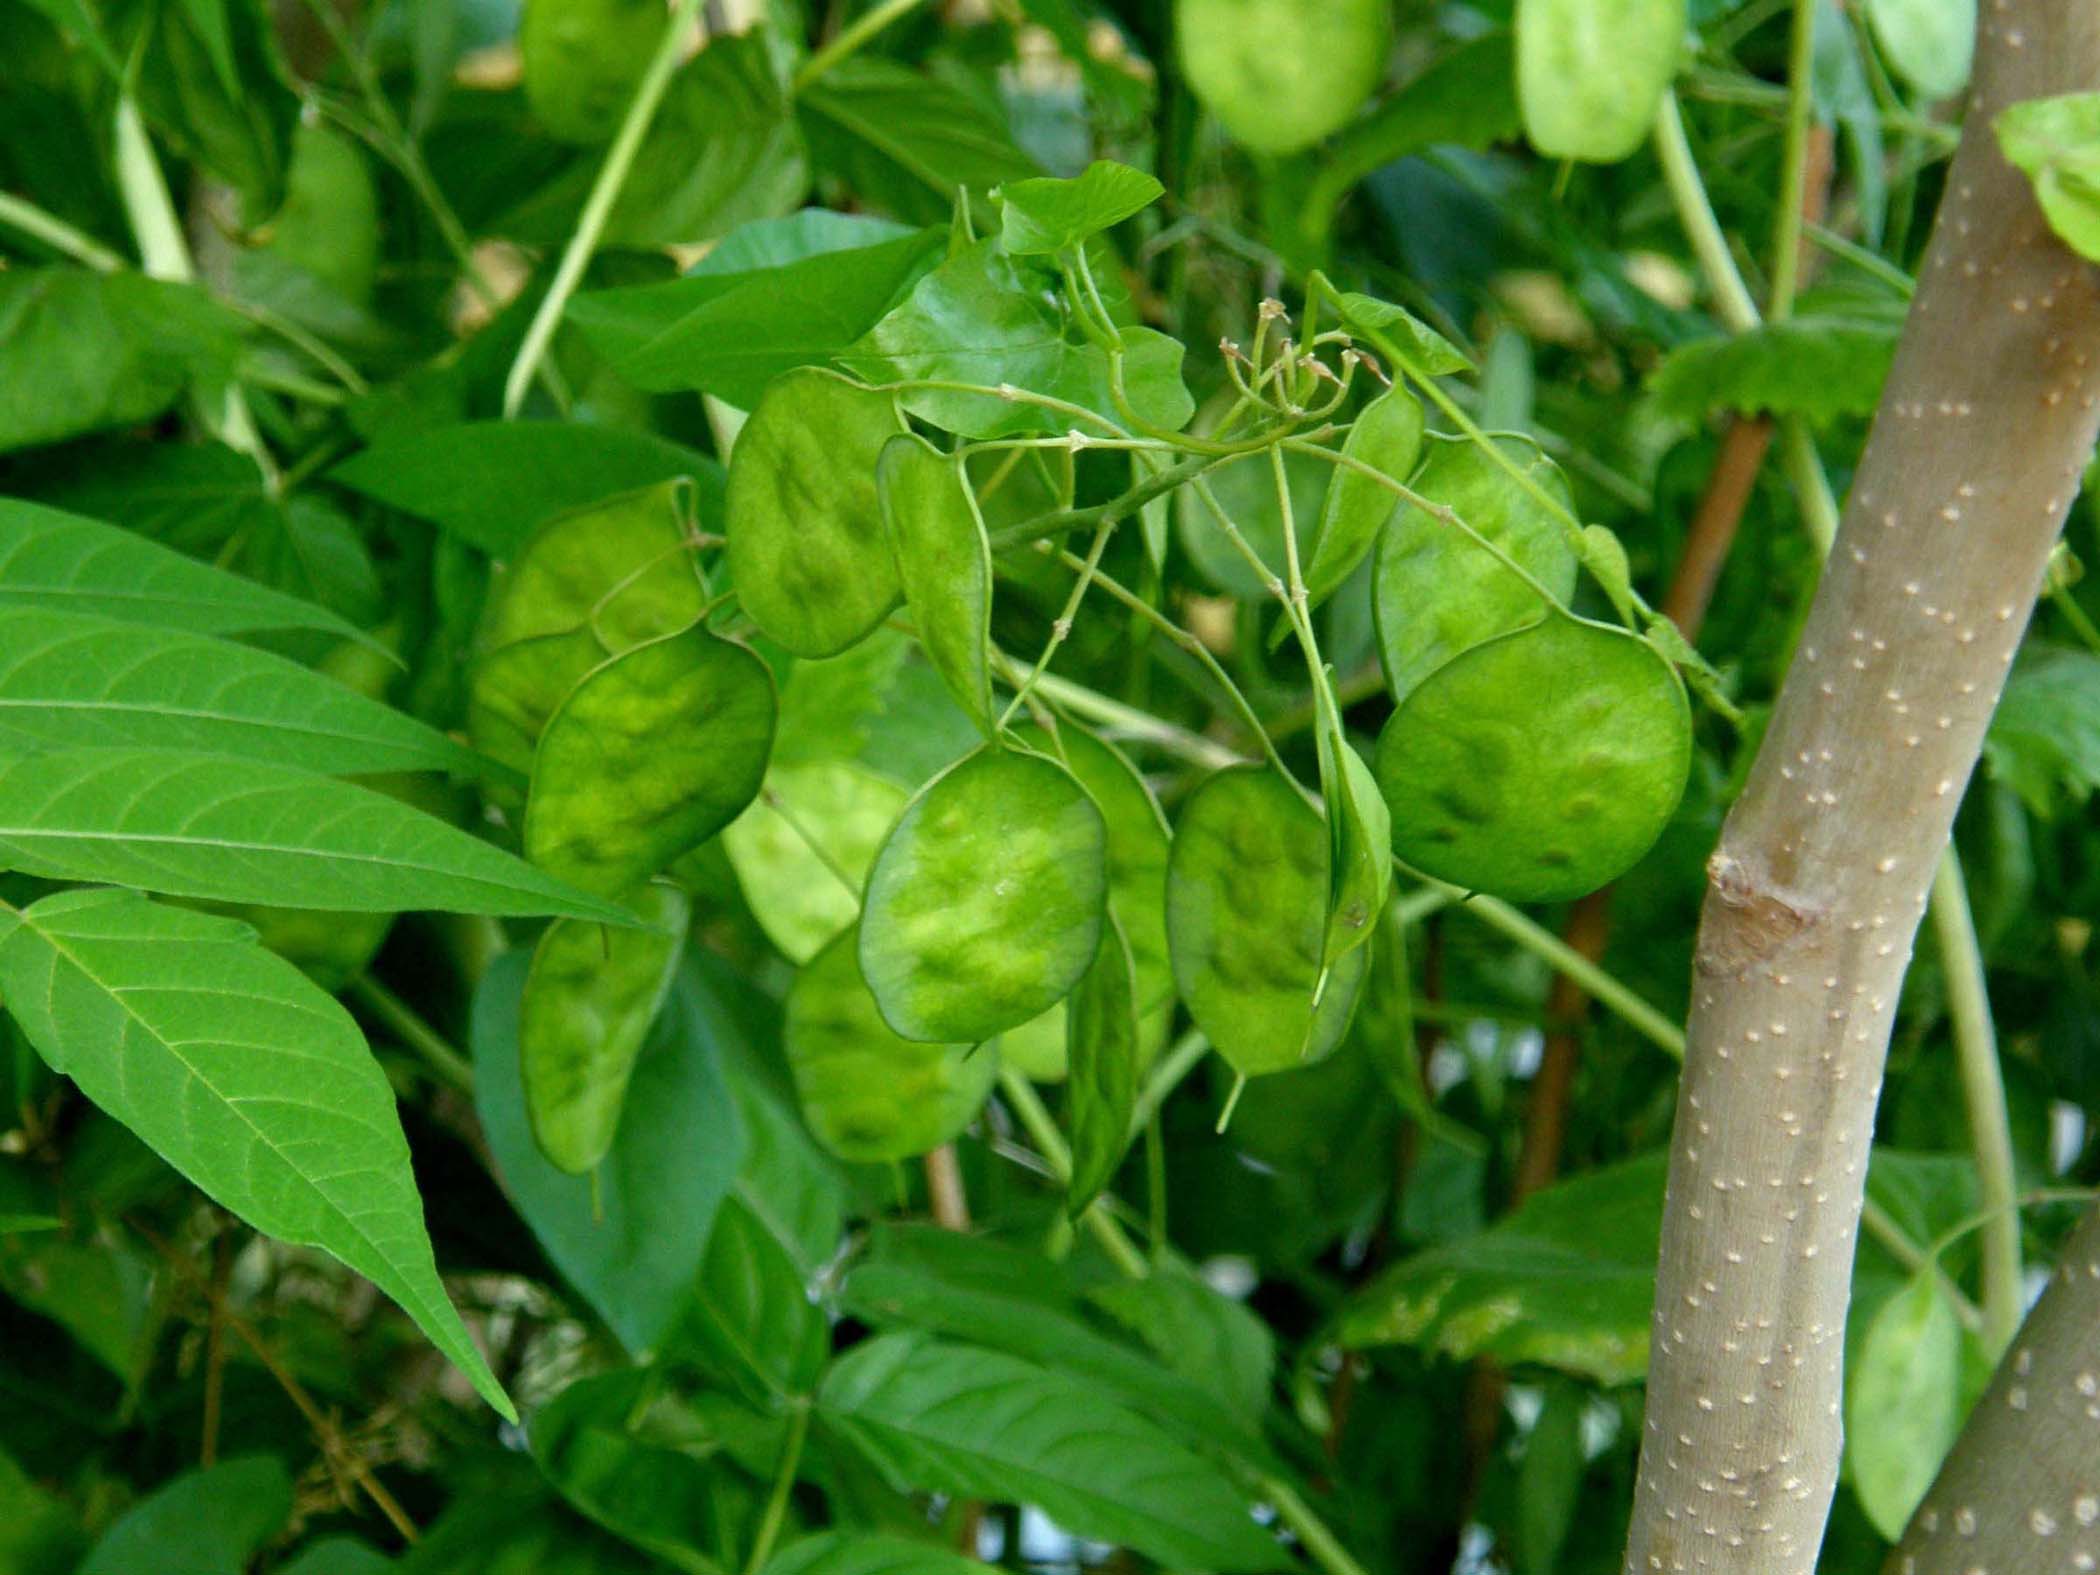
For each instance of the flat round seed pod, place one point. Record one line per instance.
(944, 562)
(1591, 73)
(653, 753)
(1282, 74)
(590, 995)
(1539, 765)
(1387, 436)
(986, 902)
(802, 850)
(1247, 902)
(624, 568)
(1436, 591)
(514, 689)
(807, 551)
(871, 1096)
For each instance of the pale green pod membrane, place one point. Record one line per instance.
(590, 995)
(808, 553)
(653, 753)
(1387, 436)
(986, 902)
(1282, 74)
(1105, 1060)
(870, 1095)
(514, 689)
(1540, 765)
(944, 562)
(1359, 842)
(1436, 591)
(1591, 73)
(1247, 904)
(803, 848)
(625, 568)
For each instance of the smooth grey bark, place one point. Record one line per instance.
(1821, 877)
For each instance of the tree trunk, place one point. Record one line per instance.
(1823, 869)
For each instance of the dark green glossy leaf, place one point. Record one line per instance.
(196, 825)
(752, 1323)
(240, 1072)
(635, 1255)
(591, 995)
(1043, 216)
(1282, 74)
(1567, 1281)
(1591, 73)
(1437, 591)
(905, 140)
(803, 849)
(1105, 1061)
(964, 1420)
(985, 904)
(76, 678)
(807, 549)
(868, 1553)
(945, 564)
(869, 1095)
(491, 483)
(1216, 1343)
(208, 1522)
(1387, 436)
(649, 756)
(1540, 765)
(1247, 902)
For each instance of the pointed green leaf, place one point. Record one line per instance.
(240, 1072)
(1042, 216)
(651, 754)
(806, 545)
(980, 1424)
(945, 564)
(241, 831)
(869, 1553)
(590, 998)
(70, 678)
(52, 559)
(1104, 1059)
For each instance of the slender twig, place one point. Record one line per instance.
(407, 1025)
(783, 1488)
(944, 1189)
(1042, 1131)
(850, 39)
(21, 214)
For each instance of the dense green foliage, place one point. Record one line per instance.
(827, 745)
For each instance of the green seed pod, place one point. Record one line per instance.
(1282, 74)
(329, 224)
(1539, 765)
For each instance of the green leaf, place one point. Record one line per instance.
(1245, 490)
(512, 1524)
(868, 1553)
(1903, 1403)
(580, 61)
(635, 1256)
(1247, 901)
(1566, 1281)
(1387, 436)
(803, 849)
(1931, 43)
(1360, 842)
(649, 756)
(967, 1421)
(1436, 592)
(75, 678)
(1018, 1301)
(82, 352)
(1104, 1060)
(1549, 1483)
(984, 317)
(592, 1442)
(986, 902)
(1282, 74)
(869, 1095)
(491, 483)
(208, 1522)
(38, 1534)
(64, 562)
(102, 1293)
(1539, 765)
(1397, 334)
(2044, 741)
(339, 1556)
(1044, 216)
(732, 334)
(944, 562)
(1212, 1341)
(1821, 367)
(590, 998)
(906, 141)
(807, 551)
(1591, 73)
(752, 1323)
(242, 1074)
(242, 831)
(2056, 143)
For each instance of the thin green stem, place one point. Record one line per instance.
(1793, 181)
(1320, 1544)
(1121, 506)
(1983, 1092)
(850, 39)
(1061, 630)
(1028, 1106)
(19, 213)
(1732, 300)
(1882, 1226)
(408, 1026)
(1185, 1055)
(2067, 607)
(1811, 486)
(597, 208)
(783, 1488)
(1596, 983)
(1128, 721)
